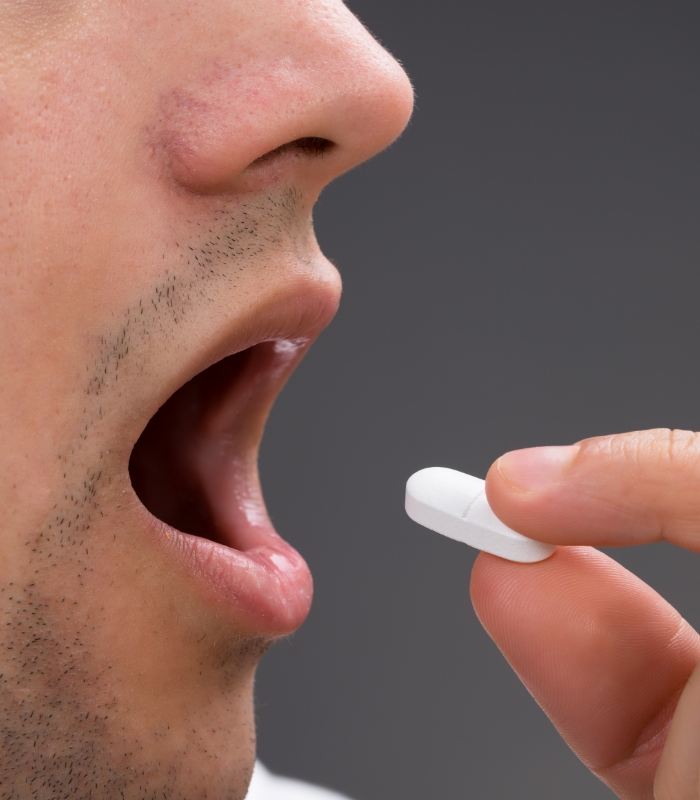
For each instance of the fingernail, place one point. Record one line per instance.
(536, 468)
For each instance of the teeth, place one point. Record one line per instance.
(254, 512)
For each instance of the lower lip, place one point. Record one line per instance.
(267, 589)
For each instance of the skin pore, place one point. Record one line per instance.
(143, 231)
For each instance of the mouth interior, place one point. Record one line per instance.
(206, 426)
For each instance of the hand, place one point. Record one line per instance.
(611, 663)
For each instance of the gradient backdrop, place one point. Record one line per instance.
(521, 268)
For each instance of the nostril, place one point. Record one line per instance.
(312, 146)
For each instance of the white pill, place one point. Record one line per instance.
(454, 504)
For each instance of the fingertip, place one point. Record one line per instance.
(562, 512)
(482, 582)
(495, 583)
(520, 510)
(487, 572)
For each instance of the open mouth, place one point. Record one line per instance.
(200, 449)
(194, 469)
(194, 466)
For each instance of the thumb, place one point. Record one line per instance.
(623, 489)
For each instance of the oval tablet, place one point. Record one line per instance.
(454, 504)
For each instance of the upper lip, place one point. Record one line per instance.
(297, 311)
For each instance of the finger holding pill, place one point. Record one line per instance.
(454, 504)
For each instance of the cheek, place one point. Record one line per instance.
(70, 122)
(30, 23)
(69, 234)
(71, 183)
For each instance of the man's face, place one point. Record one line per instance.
(159, 162)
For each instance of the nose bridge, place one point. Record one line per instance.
(320, 74)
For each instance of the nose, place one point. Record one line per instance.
(310, 96)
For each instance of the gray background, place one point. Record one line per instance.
(520, 269)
